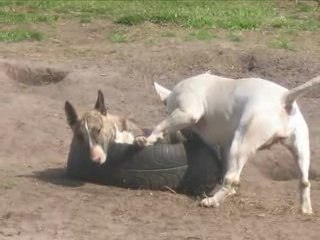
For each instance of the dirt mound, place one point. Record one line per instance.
(278, 164)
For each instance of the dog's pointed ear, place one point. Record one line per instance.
(162, 91)
(71, 114)
(100, 105)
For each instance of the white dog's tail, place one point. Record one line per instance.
(299, 91)
(162, 92)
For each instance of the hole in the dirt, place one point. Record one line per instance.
(249, 62)
(282, 173)
(278, 172)
(33, 75)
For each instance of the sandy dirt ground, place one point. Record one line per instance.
(38, 202)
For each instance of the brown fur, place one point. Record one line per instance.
(106, 126)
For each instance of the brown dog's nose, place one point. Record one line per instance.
(95, 154)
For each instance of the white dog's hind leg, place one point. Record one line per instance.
(177, 120)
(298, 144)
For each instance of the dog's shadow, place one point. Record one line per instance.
(56, 176)
(59, 177)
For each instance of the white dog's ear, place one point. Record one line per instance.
(162, 91)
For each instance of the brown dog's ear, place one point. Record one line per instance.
(71, 114)
(100, 106)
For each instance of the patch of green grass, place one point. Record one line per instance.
(12, 17)
(118, 37)
(282, 43)
(203, 35)
(131, 19)
(232, 15)
(199, 14)
(234, 37)
(20, 35)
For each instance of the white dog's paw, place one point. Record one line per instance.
(232, 191)
(140, 141)
(209, 202)
(153, 138)
(307, 210)
(143, 141)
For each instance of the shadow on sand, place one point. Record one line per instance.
(56, 176)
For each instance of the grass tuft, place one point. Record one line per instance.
(118, 37)
(203, 35)
(234, 37)
(131, 20)
(282, 43)
(20, 35)
(279, 22)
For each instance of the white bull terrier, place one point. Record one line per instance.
(242, 116)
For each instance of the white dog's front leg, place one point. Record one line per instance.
(176, 121)
(221, 193)
(242, 147)
(230, 168)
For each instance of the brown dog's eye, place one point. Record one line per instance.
(96, 131)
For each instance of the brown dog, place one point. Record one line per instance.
(98, 128)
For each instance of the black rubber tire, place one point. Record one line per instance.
(190, 167)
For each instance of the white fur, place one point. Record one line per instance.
(123, 137)
(97, 148)
(88, 133)
(242, 116)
